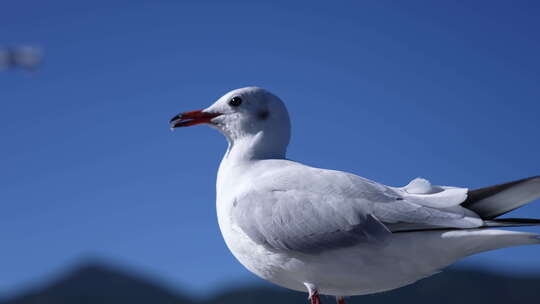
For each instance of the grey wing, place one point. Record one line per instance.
(423, 206)
(293, 220)
(323, 210)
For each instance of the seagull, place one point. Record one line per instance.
(25, 57)
(328, 232)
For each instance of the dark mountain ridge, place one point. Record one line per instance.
(100, 283)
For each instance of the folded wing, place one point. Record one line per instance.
(311, 210)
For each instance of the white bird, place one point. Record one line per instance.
(335, 233)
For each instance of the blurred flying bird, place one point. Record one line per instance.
(24, 57)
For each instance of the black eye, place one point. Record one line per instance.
(235, 101)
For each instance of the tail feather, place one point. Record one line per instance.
(494, 201)
(470, 242)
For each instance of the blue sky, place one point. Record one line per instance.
(385, 89)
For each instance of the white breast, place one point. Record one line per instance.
(292, 270)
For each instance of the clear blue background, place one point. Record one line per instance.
(390, 90)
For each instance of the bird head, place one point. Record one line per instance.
(251, 115)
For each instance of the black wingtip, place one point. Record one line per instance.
(476, 196)
(511, 222)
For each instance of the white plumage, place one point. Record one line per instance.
(333, 232)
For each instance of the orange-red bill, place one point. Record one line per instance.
(192, 118)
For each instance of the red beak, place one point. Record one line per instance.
(192, 118)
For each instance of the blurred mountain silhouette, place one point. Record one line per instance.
(100, 283)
